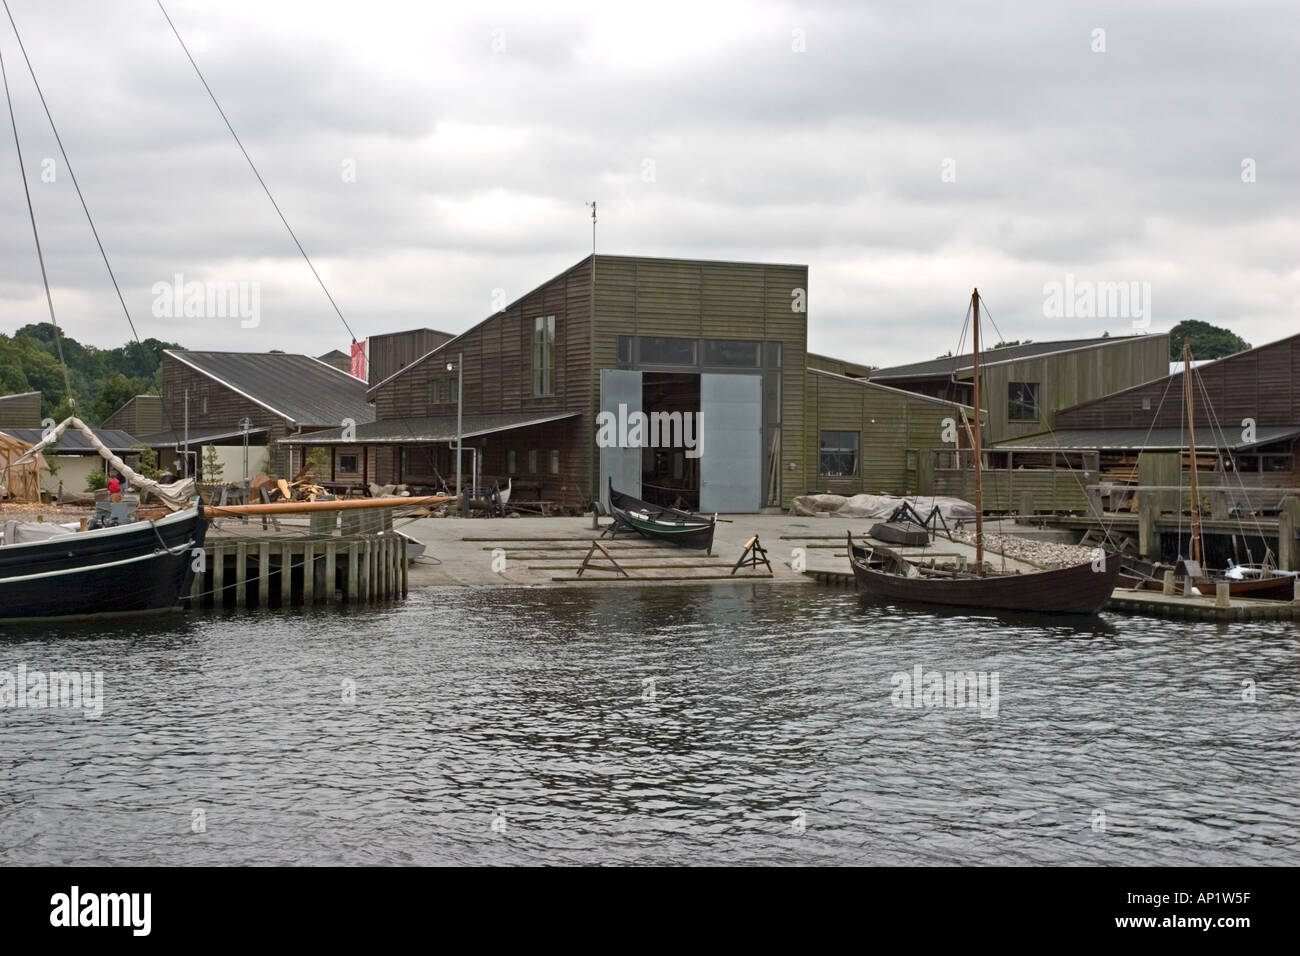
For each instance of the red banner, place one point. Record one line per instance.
(359, 360)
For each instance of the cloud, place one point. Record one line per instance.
(428, 156)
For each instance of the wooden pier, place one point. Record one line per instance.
(338, 557)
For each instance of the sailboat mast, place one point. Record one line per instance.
(979, 491)
(1191, 445)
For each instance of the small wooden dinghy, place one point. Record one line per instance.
(682, 528)
(907, 533)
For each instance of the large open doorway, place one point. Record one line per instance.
(670, 473)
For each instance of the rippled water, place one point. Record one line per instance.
(661, 725)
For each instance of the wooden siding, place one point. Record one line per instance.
(393, 351)
(213, 405)
(890, 423)
(1067, 378)
(838, 366)
(142, 415)
(1263, 384)
(1046, 489)
(21, 411)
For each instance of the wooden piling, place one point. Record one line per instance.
(308, 574)
(218, 576)
(331, 568)
(264, 574)
(286, 575)
(354, 572)
(241, 574)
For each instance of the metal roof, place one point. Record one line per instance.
(298, 388)
(175, 438)
(72, 442)
(948, 365)
(392, 431)
(1148, 439)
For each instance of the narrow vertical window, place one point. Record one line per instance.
(543, 356)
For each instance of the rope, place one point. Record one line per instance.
(40, 255)
(253, 167)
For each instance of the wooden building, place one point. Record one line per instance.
(21, 410)
(716, 348)
(1024, 386)
(140, 415)
(1247, 413)
(206, 395)
(391, 352)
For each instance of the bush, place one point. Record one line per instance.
(97, 480)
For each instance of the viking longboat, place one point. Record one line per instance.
(144, 567)
(884, 573)
(682, 528)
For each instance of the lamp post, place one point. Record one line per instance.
(459, 368)
(244, 425)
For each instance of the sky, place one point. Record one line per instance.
(435, 158)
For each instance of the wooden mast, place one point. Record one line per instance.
(979, 492)
(1191, 445)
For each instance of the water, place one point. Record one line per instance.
(740, 724)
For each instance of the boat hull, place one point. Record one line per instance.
(1076, 590)
(907, 533)
(680, 528)
(113, 572)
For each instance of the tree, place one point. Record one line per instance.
(212, 467)
(114, 392)
(1207, 341)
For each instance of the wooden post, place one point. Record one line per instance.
(241, 574)
(363, 591)
(286, 575)
(196, 586)
(264, 574)
(1169, 586)
(1221, 594)
(406, 568)
(331, 570)
(1148, 540)
(353, 573)
(308, 574)
(218, 576)
(1288, 520)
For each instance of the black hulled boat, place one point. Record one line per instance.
(139, 568)
(682, 528)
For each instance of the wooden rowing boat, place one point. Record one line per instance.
(682, 528)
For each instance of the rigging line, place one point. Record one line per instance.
(1214, 417)
(253, 167)
(40, 255)
(77, 185)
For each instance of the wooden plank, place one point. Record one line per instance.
(264, 574)
(308, 573)
(331, 558)
(218, 576)
(241, 574)
(286, 575)
(354, 573)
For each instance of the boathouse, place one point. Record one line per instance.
(712, 351)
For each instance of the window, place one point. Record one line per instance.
(773, 352)
(510, 462)
(453, 389)
(839, 454)
(721, 352)
(532, 461)
(543, 356)
(555, 461)
(350, 464)
(660, 351)
(1022, 401)
(625, 350)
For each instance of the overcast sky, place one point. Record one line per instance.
(430, 154)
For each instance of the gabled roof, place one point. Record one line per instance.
(300, 389)
(435, 428)
(901, 392)
(72, 442)
(956, 365)
(1148, 439)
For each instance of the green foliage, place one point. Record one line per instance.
(212, 467)
(319, 459)
(98, 478)
(1207, 341)
(147, 461)
(102, 380)
(1007, 345)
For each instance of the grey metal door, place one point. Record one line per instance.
(731, 443)
(618, 388)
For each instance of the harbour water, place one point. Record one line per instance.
(691, 725)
